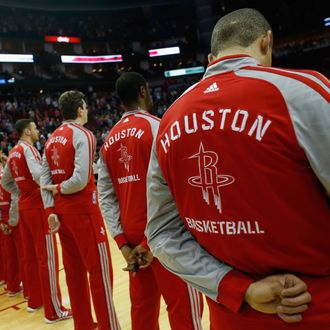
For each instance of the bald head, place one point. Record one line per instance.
(239, 28)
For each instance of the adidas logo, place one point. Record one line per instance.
(212, 88)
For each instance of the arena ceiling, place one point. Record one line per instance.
(81, 4)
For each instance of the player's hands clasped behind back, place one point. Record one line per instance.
(5, 229)
(285, 295)
(136, 258)
(53, 223)
(143, 256)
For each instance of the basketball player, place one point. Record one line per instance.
(123, 165)
(237, 185)
(68, 175)
(12, 245)
(23, 169)
(3, 274)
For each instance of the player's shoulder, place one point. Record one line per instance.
(26, 146)
(187, 96)
(304, 79)
(145, 118)
(81, 131)
(17, 147)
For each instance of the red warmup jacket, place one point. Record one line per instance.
(75, 180)
(123, 165)
(24, 167)
(241, 164)
(4, 202)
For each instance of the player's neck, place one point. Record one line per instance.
(26, 139)
(79, 121)
(142, 108)
(137, 108)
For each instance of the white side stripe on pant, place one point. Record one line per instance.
(195, 307)
(52, 274)
(107, 285)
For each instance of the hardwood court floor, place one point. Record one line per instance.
(13, 315)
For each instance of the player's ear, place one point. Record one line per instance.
(211, 58)
(79, 111)
(27, 131)
(266, 42)
(143, 91)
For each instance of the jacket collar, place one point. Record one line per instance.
(229, 63)
(132, 112)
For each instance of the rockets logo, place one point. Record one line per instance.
(125, 158)
(15, 168)
(208, 179)
(55, 156)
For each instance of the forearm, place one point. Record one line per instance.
(13, 211)
(72, 185)
(109, 204)
(8, 182)
(181, 254)
(46, 179)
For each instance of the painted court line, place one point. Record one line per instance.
(15, 306)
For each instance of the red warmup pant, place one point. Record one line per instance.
(14, 261)
(3, 275)
(317, 317)
(184, 304)
(40, 261)
(85, 249)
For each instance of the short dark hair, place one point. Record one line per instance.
(238, 28)
(21, 125)
(128, 87)
(69, 102)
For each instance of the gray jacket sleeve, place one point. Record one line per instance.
(108, 200)
(33, 164)
(8, 182)
(83, 163)
(172, 244)
(46, 179)
(310, 115)
(13, 211)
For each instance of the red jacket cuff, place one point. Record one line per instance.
(121, 240)
(232, 288)
(49, 210)
(58, 188)
(144, 243)
(5, 221)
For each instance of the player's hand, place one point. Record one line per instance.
(294, 299)
(5, 229)
(126, 251)
(143, 256)
(53, 223)
(51, 188)
(132, 265)
(3, 157)
(284, 295)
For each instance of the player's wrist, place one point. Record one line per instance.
(58, 188)
(248, 294)
(125, 247)
(121, 240)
